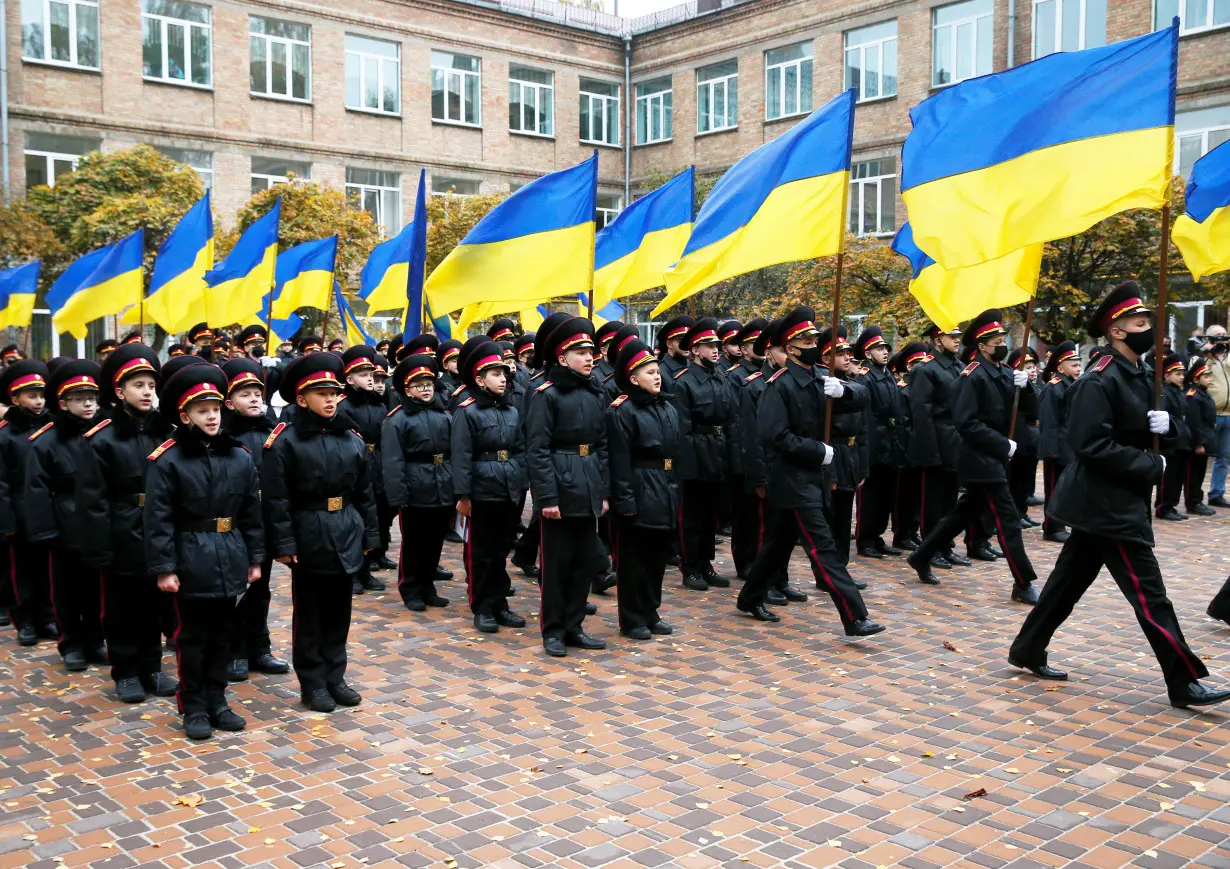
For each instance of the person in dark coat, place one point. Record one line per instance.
(367, 410)
(111, 516)
(446, 356)
(204, 540)
(524, 346)
(105, 348)
(604, 367)
(747, 363)
(1103, 496)
(1023, 469)
(201, 337)
(610, 385)
(886, 436)
(320, 515)
(415, 450)
(848, 436)
(49, 493)
(743, 509)
(672, 358)
(1202, 421)
(981, 412)
(454, 399)
(1178, 449)
(644, 436)
(1063, 366)
(907, 500)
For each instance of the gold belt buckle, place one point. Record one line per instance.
(371, 448)
(140, 499)
(583, 450)
(666, 465)
(335, 504)
(501, 455)
(717, 430)
(437, 459)
(852, 442)
(223, 524)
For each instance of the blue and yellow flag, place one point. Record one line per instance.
(238, 286)
(355, 333)
(783, 202)
(279, 330)
(385, 275)
(303, 277)
(18, 287)
(101, 283)
(1203, 233)
(647, 238)
(176, 297)
(1042, 151)
(412, 326)
(612, 310)
(950, 297)
(536, 244)
(444, 326)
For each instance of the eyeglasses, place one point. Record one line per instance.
(420, 384)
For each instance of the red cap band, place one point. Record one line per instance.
(82, 382)
(244, 378)
(989, 328)
(1128, 306)
(317, 379)
(131, 367)
(30, 381)
(707, 336)
(798, 329)
(638, 360)
(581, 339)
(198, 392)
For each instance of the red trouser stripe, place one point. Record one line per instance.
(1003, 539)
(1144, 607)
(815, 559)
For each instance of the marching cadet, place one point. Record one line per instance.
(672, 357)
(382, 347)
(23, 391)
(51, 510)
(204, 540)
(177, 350)
(732, 348)
(425, 343)
(105, 348)
(488, 463)
(886, 444)
(981, 411)
(244, 419)
(1202, 421)
(1103, 496)
(416, 443)
(367, 410)
(380, 385)
(1063, 366)
(907, 503)
(742, 509)
(337, 345)
(848, 436)
(111, 521)
(644, 436)
(1023, 469)
(1177, 448)
(516, 384)
(604, 368)
(791, 415)
(610, 385)
(524, 347)
(446, 357)
(462, 391)
(502, 329)
(566, 438)
(748, 362)
(320, 513)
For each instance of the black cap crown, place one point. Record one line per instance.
(1122, 301)
(574, 333)
(26, 374)
(550, 324)
(358, 358)
(71, 375)
(872, 336)
(202, 382)
(703, 331)
(414, 366)
(635, 354)
(242, 372)
(984, 327)
(676, 327)
(316, 371)
(426, 343)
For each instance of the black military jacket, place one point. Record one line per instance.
(886, 416)
(755, 472)
(447, 384)
(1028, 423)
(982, 409)
(567, 418)
(15, 430)
(488, 449)
(1053, 420)
(367, 410)
(933, 441)
(1201, 419)
(50, 486)
(848, 435)
(251, 431)
(740, 371)
(1174, 402)
(644, 437)
(416, 448)
(708, 407)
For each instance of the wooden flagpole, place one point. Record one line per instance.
(1159, 319)
(828, 404)
(1016, 393)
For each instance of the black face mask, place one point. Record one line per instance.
(809, 355)
(1139, 342)
(1000, 353)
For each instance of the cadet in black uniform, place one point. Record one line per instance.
(1202, 420)
(11, 355)
(51, 510)
(106, 347)
(886, 444)
(747, 363)
(204, 539)
(462, 391)
(367, 410)
(743, 522)
(644, 437)
(320, 513)
(603, 367)
(981, 411)
(446, 356)
(110, 517)
(201, 337)
(415, 449)
(1063, 366)
(1178, 448)
(907, 501)
(671, 356)
(1023, 469)
(1104, 497)
(524, 346)
(848, 438)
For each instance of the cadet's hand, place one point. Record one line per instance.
(254, 573)
(168, 582)
(1159, 421)
(463, 507)
(550, 513)
(834, 388)
(1199, 452)
(828, 453)
(760, 492)
(606, 505)
(1020, 379)
(1011, 447)
(286, 559)
(269, 362)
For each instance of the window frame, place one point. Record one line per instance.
(659, 102)
(360, 188)
(73, 63)
(272, 180)
(862, 48)
(462, 74)
(188, 26)
(1058, 35)
(952, 26)
(452, 194)
(1181, 12)
(539, 89)
(858, 187)
(201, 173)
(48, 158)
(603, 215)
(782, 66)
(1203, 133)
(290, 73)
(381, 60)
(711, 84)
(602, 100)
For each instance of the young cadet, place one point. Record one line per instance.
(1202, 421)
(907, 503)
(204, 539)
(111, 521)
(454, 399)
(524, 346)
(320, 514)
(201, 337)
(1177, 449)
(848, 436)
(981, 410)
(382, 347)
(11, 355)
(380, 385)
(625, 335)
(337, 345)
(742, 512)
(644, 436)
(748, 362)
(603, 367)
(51, 510)
(791, 421)
(886, 444)
(732, 349)
(1023, 469)
(672, 357)
(1104, 497)
(367, 410)
(23, 391)
(1063, 366)
(488, 462)
(416, 443)
(244, 419)
(565, 434)
(446, 356)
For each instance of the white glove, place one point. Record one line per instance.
(834, 388)
(1163, 458)
(1011, 447)
(828, 454)
(1020, 379)
(1159, 421)
(269, 362)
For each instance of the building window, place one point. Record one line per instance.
(201, 161)
(653, 111)
(788, 81)
(64, 32)
(443, 185)
(599, 112)
(373, 75)
(609, 206)
(377, 193)
(1069, 25)
(455, 89)
(1194, 15)
(49, 156)
(281, 63)
(871, 61)
(961, 41)
(175, 42)
(873, 197)
(1198, 133)
(268, 171)
(717, 96)
(531, 101)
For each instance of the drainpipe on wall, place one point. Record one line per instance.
(628, 104)
(1011, 33)
(4, 100)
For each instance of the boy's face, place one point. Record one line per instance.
(33, 400)
(580, 360)
(733, 349)
(362, 380)
(1031, 370)
(879, 354)
(1175, 377)
(1070, 367)
(205, 414)
(451, 365)
(422, 388)
(138, 391)
(81, 403)
(494, 380)
(322, 402)
(648, 377)
(777, 355)
(706, 352)
(525, 357)
(247, 401)
(380, 383)
(1204, 378)
(842, 362)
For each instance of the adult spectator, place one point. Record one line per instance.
(1218, 359)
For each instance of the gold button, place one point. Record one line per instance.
(583, 450)
(666, 464)
(141, 499)
(335, 504)
(371, 448)
(223, 524)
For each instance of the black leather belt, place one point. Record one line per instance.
(330, 505)
(221, 525)
(136, 499)
(496, 456)
(573, 449)
(653, 464)
(427, 458)
(707, 429)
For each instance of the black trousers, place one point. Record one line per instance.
(202, 650)
(807, 525)
(526, 550)
(1051, 469)
(492, 529)
(699, 505)
(320, 627)
(76, 596)
(979, 497)
(30, 583)
(1219, 608)
(1171, 487)
(980, 530)
(907, 504)
(385, 515)
(130, 609)
(249, 631)
(937, 498)
(747, 533)
(876, 497)
(839, 512)
(1022, 479)
(640, 562)
(569, 552)
(1134, 568)
(422, 541)
(1193, 486)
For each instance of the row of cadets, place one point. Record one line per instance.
(366, 409)
(887, 438)
(848, 435)
(1023, 469)
(1063, 366)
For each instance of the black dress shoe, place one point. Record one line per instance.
(996, 552)
(1025, 594)
(1195, 694)
(870, 552)
(436, 600)
(1042, 671)
(237, 670)
(1201, 510)
(344, 694)
(370, 582)
(49, 631)
(196, 726)
(1057, 536)
(223, 718)
(793, 595)
(1219, 501)
(638, 633)
(863, 628)
(527, 568)
(486, 623)
(761, 614)
(1027, 522)
(385, 563)
(160, 684)
(268, 664)
(982, 554)
(885, 549)
(674, 560)
(1033, 501)
(600, 584)
(693, 582)
(590, 609)
(905, 545)
(1171, 515)
(715, 580)
(356, 587)
(1209, 612)
(661, 629)
(582, 640)
(923, 569)
(509, 619)
(74, 661)
(319, 700)
(443, 574)
(858, 583)
(129, 690)
(773, 597)
(414, 604)
(959, 560)
(940, 561)
(27, 635)
(96, 654)
(554, 646)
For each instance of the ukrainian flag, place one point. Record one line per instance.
(536, 244)
(279, 330)
(412, 326)
(647, 238)
(1042, 151)
(950, 297)
(612, 310)
(176, 297)
(385, 275)
(355, 334)
(1203, 233)
(444, 326)
(236, 288)
(103, 282)
(18, 287)
(783, 202)
(303, 277)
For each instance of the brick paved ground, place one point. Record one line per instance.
(732, 743)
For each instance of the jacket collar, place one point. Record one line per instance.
(362, 396)
(309, 423)
(410, 404)
(566, 379)
(194, 442)
(21, 420)
(802, 373)
(236, 423)
(129, 424)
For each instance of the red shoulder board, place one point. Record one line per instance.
(467, 402)
(273, 435)
(546, 385)
(608, 377)
(777, 374)
(393, 411)
(3, 423)
(679, 373)
(754, 375)
(1055, 380)
(41, 430)
(617, 402)
(96, 429)
(534, 377)
(457, 391)
(733, 366)
(1191, 391)
(343, 398)
(162, 448)
(969, 369)
(1103, 362)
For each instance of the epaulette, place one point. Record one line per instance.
(1191, 392)
(1054, 380)
(969, 369)
(341, 398)
(457, 391)
(679, 373)
(96, 429)
(273, 435)
(534, 377)
(617, 402)
(608, 377)
(393, 411)
(754, 375)
(777, 374)
(3, 423)
(467, 402)
(1102, 362)
(734, 365)
(544, 386)
(41, 430)
(162, 448)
